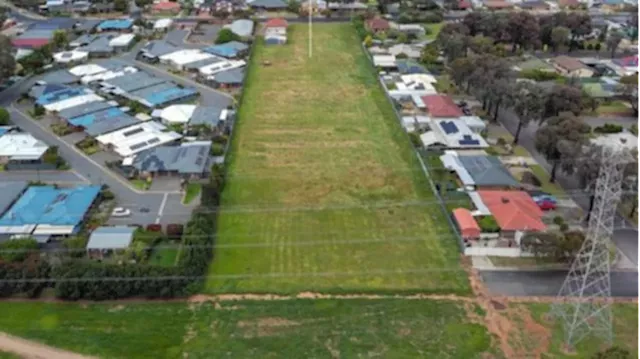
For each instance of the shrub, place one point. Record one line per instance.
(226, 35)
(564, 227)
(415, 139)
(4, 117)
(217, 149)
(590, 46)
(501, 142)
(539, 75)
(530, 178)
(597, 47)
(17, 250)
(558, 220)
(154, 227)
(107, 195)
(608, 128)
(402, 55)
(38, 110)
(488, 224)
(221, 139)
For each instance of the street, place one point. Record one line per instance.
(548, 283)
(60, 177)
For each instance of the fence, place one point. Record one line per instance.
(425, 169)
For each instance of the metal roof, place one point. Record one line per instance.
(233, 76)
(62, 77)
(104, 121)
(158, 48)
(230, 49)
(242, 27)
(84, 109)
(10, 191)
(188, 158)
(206, 115)
(204, 62)
(163, 93)
(111, 238)
(136, 81)
(487, 171)
(268, 4)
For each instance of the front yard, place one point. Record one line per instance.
(191, 192)
(140, 184)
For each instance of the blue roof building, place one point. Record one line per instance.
(163, 94)
(59, 95)
(104, 121)
(115, 24)
(46, 210)
(231, 49)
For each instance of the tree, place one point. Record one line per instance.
(429, 55)
(36, 60)
(613, 41)
(59, 40)
(561, 139)
(559, 246)
(17, 250)
(481, 44)
(226, 35)
(475, 23)
(451, 29)
(7, 61)
(613, 352)
(527, 102)
(121, 5)
(454, 47)
(559, 37)
(628, 90)
(5, 117)
(563, 98)
(524, 30)
(579, 24)
(293, 6)
(460, 71)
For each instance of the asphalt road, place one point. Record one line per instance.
(61, 177)
(548, 283)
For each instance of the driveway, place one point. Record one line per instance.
(548, 283)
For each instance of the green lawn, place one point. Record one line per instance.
(165, 256)
(433, 29)
(543, 176)
(614, 107)
(192, 192)
(139, 184)
(5, 355)
(254, 329)
(324, 191)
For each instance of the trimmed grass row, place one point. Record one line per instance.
(324, 190)
(192, 192)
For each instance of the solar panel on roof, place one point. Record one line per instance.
(137, 146)
(133, 132)
(153, 140)
(449, 127)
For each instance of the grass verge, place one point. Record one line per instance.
(192, 192)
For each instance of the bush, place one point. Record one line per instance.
(217, 149)
(558, 220)
(590, 46)
(597, 47)
(501, 142)
(402, 55)
(154, 227)
(4, 117)
(608, 128)
(226, 35)
(17, 250)
(107, 195)
(38, 110)
(221, 139)
(564, 227)
(530, 178)
(415, 139)
(488, 224)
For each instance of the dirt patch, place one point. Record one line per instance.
(30, 349)
(116, 309)
(497, 305)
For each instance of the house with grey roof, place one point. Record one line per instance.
(156, 48)
(104, 241)
(100, 46)
(11, 191)
(59, 77)
(268, 5)
(190, 160)
(228, 79)
(242, 27)
(194, 66)
(479, 171)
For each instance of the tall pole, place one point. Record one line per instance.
(583, 303)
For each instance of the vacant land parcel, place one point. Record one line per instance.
(324, 192)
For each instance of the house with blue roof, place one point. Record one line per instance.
(62, 94)
(230, 50)
(49, 211)
(115, 25)
(162, 94)
(104, 121)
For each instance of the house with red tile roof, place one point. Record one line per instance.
(377, 25)
(513, 211)
(166, 7)
(276, 23)
(441, 106)
(463, 5)
(497, 4)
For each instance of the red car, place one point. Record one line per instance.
(546, 205)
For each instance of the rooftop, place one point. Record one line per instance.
(268, 4)
(135, 81)
(487, 171)
(233, 76)
(111, 238)
(188, 158)
(104, 121)
(162, 93)
(115, 24)
(276, 22)
(47, 205)
(10, 192)
(441, 106)
(452, 133)
(513, 210)
(569, 63)
(242, 27)
(19, 146)
(158, 48)
(230, 49)
(85, 109)
(137, 138)
(468, 226)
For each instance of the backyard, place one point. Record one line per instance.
(324, 191)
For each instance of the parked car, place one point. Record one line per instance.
(120, 212)
(144, 210)
(546, 205)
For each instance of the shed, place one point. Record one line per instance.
(469, 228)
(106, 239)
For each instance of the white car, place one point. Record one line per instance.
(120, 212)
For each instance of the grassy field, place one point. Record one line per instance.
(324, 191)
(192, 192)
(267, 329)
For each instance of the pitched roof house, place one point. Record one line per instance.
(569, 66)
(377, 25)
(513, 210)
(441, 106)
(468, 226)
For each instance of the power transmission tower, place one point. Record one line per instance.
(584, 300)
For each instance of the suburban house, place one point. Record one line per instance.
(166, 7)
(571, 67)
(409, 66)
(275, 31)
(534, 64)
(49, 211)
(119, 25)
(192, 115)
(229, 50)
(534, 5)
(514, 211)
(134, 139)
(154, 49)
(441, 106)
(497, 5)
(20, 149)
(105, 241)
(377, 25)
(227, 79)
(479, 171)
(70, 57)
(163, 25)
(626, 65)
(190, 160)
(451, 134)
(416, 30)
(467, 225)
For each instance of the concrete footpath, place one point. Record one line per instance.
(33, 350)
